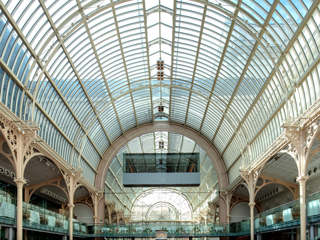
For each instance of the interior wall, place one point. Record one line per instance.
(241, 211)
(283, 197)
(313, 185)
(83, 213)
(286, 196)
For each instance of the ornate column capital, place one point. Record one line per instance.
(97, 196)
(302, 179)
(70, 205)
(301, 138)
(20, 182)
(251, 177)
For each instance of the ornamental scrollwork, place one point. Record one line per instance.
(292, 150)
(12, 137)
(29, 153)
(98, 195)
(67, 177)
(254, 174)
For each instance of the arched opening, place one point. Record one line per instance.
(239, 208)
(114, 216)
(162, 211)
(161, 204)
(106, 214)
(161, 126)
(83, 213)
(240, 212)
(7, 172)
(45, 183)
(198, 197)
(273, 195)
(121, 220)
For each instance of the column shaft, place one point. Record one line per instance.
(303, 215)
(70, 222)
(252, 220)
(101, 210)
(19, 183)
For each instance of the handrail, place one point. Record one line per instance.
(286, 215)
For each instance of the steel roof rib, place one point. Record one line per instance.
(196, 60)
(121, 187)
(221, 61)
(274, 5)
(39, 106)
(124, 62)
(35, 56)
(98, 61)
(280, 60)
(172, 53)
(73, 67)
(234, 65)
(148, 57)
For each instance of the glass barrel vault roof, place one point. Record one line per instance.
(86, 70)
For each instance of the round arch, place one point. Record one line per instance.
(159, 204)
(208, 147)
(114, 216)
(152, 198)
(84, 212)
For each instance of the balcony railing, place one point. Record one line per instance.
(287, 215)
(40, 218)
(284, 216)
(7, 209)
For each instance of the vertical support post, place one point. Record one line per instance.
(109, 216)
(99, 206)
(252, 204)
(8, 233)
(301, 139)
(251, 178)
(213, 209)
(303, 212)
(222, 210)
(311, 233)
(71, 206)
(71, 179)
(227, 198)
(20, 182)
(101, 209)
(118, 219)
(251, 187)
(19, 140)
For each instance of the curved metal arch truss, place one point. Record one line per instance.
(152, 198)
(159, 204)
(86, 71)
(161, 126)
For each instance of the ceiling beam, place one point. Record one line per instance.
(33, 97)
(17, 81)
(172, 53)
(266, 84)
(196, 60)
(98, 61)
(124, 62)
(145, 21)
(73, 67)
(223, 54)
(244, 71)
